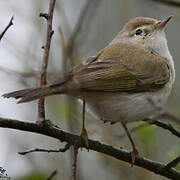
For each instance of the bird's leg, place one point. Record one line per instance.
(134, 149)
(84, 134)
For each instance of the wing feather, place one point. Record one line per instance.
(122, 67)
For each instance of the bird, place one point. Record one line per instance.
(118, 81)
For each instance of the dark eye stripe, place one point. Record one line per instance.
(138, 32)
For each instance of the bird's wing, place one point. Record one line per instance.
(124, 68)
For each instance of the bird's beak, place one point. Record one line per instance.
(161, 24)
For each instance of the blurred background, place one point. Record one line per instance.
(81, 29)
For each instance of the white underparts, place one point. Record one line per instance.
(159, 45)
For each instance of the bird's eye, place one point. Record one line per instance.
(138, 32)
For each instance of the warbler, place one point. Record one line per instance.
(117, 82)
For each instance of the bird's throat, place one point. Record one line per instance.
(160, 47)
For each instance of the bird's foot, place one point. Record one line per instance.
(134, 154)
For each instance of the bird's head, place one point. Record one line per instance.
(146, 32)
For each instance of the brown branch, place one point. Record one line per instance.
(163, 113)
(38, 150)
(51, 175)
(67, 146)
(75, 162)
(166, 126)
(7, 27)
(63, 136)
(173, 163)
(49, 33)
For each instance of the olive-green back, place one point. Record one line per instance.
(124, 68)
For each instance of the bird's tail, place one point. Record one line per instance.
(31, 94)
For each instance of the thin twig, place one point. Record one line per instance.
(49, 33)
(67, 146)
(154, 121)
(172, 163)
(75, 162)
(83, 113)
(63, 136)
(166, 126)
(38, 150)
(51, 175)
(7, 27)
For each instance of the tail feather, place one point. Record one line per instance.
(31, 94)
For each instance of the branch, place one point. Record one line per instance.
(67, 146)
(75, 149)
(163, 113)
(173, 163)
(49, 33)
(51, 175)
(63, 136)
(7, 27)
(166, 126)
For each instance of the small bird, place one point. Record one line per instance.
(117, 82)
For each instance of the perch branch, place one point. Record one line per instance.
(173, 163)
(51, 175)
(67, 146)
(166, 126)
(75, 150)
(64, 136)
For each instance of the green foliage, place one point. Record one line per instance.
(172, 154)
(145, 134)
(33, 176)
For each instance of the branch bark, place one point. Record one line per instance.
(67, 146)
(166, 126)
(7, 27)
(49, 33)
(173, 163)
(63, 136)
(75, 149)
